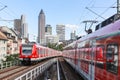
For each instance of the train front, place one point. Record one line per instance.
(25, 53)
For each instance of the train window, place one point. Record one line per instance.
(97, 27)
(112, 58)
(99, 53)
(42, 51)
(27, 51)
(39, 50)
(99, 56)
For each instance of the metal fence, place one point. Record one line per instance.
(8, 64)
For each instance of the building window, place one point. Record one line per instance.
(112, 58)
(4, 42)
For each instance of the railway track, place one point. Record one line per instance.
(8, 69)
(68, 72)
(13, 72)
(6, 74)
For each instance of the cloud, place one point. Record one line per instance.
(72, 27)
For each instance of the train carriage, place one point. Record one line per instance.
(97, 55)
(33, 53)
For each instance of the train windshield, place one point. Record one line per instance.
(27, 49)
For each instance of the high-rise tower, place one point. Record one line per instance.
(41, 27)
(17, 27)
(21, 27)
(24, 26)
(60, 29)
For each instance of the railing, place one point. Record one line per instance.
(34, 73)
(8, 64)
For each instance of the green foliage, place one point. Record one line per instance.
(12, 57)
(55, 46)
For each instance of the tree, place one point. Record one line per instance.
(55, 46)
(12, 57)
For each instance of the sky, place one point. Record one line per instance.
(71, 13)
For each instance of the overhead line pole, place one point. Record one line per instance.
(3, 8)
(118, 6)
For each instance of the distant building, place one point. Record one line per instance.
(21, 27)
(3, 46)
(17, 27)
(23, 19)
(25, 30)
(24, 27)
(51, 39)
(12, 44)
(73, 35)
(60, 29)
(48, 30)
(41, 27)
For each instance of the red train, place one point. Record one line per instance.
(96, 56)
(32, 53)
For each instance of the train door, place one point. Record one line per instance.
(92, 65)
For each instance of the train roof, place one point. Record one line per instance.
(108, 29)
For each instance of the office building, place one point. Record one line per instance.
(41, 27)
(17, 27)
(48, 30)
(21, 27)
(73, 35)
(60, 29)
(24, 27)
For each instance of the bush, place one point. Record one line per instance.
(12, 57)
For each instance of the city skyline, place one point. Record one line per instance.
(72, 13)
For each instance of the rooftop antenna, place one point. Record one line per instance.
(89, 30)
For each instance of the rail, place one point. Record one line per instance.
(58, 73)
(8, 64)
(34, 73)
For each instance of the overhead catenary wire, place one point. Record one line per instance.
(95, 13)
(87, 13)
(3, 8)
(106, 10)
(84, 13)
(9, 12)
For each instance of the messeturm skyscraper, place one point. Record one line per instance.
(41, 27)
